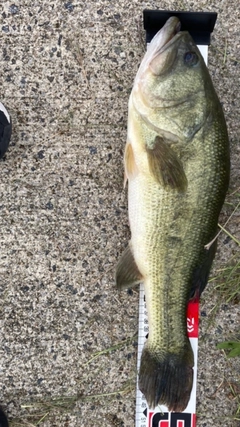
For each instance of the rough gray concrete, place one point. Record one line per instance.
(66, 73)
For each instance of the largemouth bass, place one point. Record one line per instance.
(177, 167)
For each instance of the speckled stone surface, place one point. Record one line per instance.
(67, 69)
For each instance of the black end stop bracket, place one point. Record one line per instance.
(199, 24)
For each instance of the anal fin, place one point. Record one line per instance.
(127, 273)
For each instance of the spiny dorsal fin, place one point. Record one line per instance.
(129, 163)
(165, 166)
(127, 273)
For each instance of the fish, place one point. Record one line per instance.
(176, 166)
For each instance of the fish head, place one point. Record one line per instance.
(170, 89)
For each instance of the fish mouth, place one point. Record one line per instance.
(167, 35)
(170, 32)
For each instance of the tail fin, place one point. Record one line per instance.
(166, 378)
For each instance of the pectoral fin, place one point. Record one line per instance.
(129, 163)
(165, 166)
(127, 273)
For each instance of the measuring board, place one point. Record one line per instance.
(200, 25)
(152, 418)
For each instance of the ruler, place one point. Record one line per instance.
(160, 416)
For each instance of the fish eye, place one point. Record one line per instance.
(191, 58)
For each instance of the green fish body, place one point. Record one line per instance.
(177, 168)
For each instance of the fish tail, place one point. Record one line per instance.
(166, 378)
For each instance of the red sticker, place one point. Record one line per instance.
(194, 420)
(150, 415)
(192, 319)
